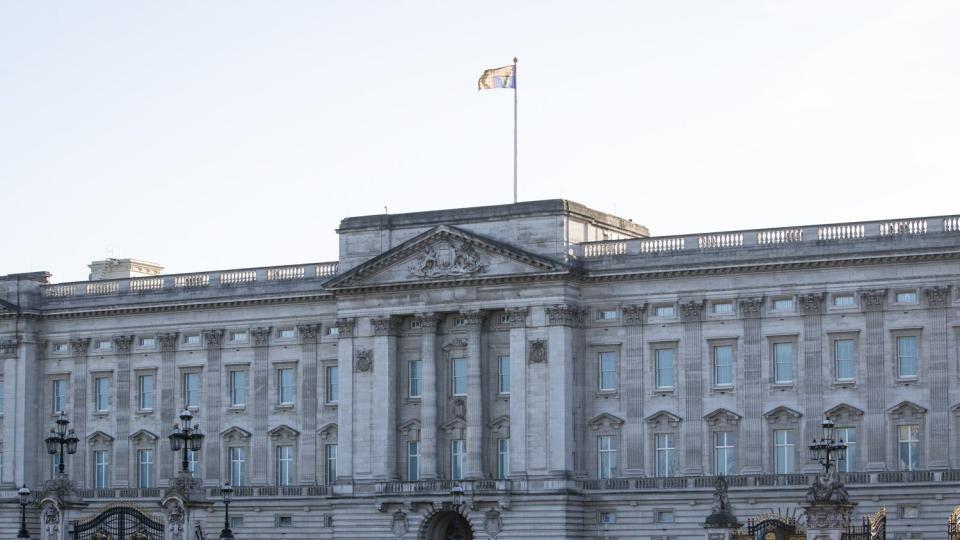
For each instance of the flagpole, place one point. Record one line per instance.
(514, 130)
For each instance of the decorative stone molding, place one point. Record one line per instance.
(907, 410)
(473, 317)
(8, 349)
(516, 317)
(751, 308)
(235, 435)
(385, 326)
(308, 332)
(538, 351)
(427, 321)
(363, 360)
(605, 422)
(811, 303)
(283, 433)
(872, 299)
(844, 414)
(563, 314)
(168, 341)
(492, 523)
(722, 417)
(500, 427)
(828, 516)
(143, 436)
(662, 419)
(399, 525)
(782, 415)
(455, 343)
(459, 407)
(633, 314)
(937, 296)
(123, 343)
(175, 518)
(328, 432)
(410, 430)
(99, 439)
(80, 346)
(456, 428)
(447, 258)
(50, 518)
(261, 335)
(213, 338)
(692, 311)
(345, 327)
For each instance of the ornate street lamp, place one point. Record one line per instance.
(24, 494)
(457, 492)
(61, 438)
(186, 438)
(227, 493)
(828, 451)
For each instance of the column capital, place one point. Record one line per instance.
(633, 314)
(80, 346)
(692, 310)
(308, 332)
(168, 341)
(563, 314)
(213, 338)
(812, 303)
(516, 317)
(345, 326)
(123, 343)
(385, 326)
(938, 296)
(872, 299)
(261, 335)
(751, 308)
(8, 348)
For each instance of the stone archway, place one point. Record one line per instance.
(447, 525)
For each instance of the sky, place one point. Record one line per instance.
(231, 134)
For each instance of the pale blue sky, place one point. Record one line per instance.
(223, 134)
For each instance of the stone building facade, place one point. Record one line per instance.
(576, 376)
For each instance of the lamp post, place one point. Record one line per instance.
(61, 438)
(457, 492)
(227, 493)
(185, 438)
(828, 451)
(24, 494)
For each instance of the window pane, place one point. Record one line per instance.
(457, 454)
(848, 436)
(413, 461)
(907, 356)
(664, 368)
(330, 470)
(415, 378)
(843, 350)
(723, 365)
(459, 376)
(504, 366)
(333, 384)
(503, 458)
(146, 391)
(191, 389)
(666, 454)
(238, 388)
(783, 362)
(608, 371)
(784, 445)
(285, 385)
(723, 460)
(909, 447)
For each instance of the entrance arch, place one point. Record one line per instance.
(446, 525)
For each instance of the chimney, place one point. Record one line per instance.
(122, 268)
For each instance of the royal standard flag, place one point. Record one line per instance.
(501, 77)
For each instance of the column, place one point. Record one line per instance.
(811, 389)
(875, 421)
(385, 371)
(935, 369)
(428, 400)
(78, 383)
(26, 421)
(692, 399)
(260, 451)
(632, 367)
(475, 423)
(517, 319)
(308, 401)
(345, 457)
(562, 320)
(121, 447)
(213, 401)
(170, 405)
(750, 398)
(9, 350)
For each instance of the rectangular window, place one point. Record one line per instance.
(723, 308)
(286, 386)
(843, 358)
(3, 393)
(459, 321)
(844, 300)
(458, 455)
(145, 389)
(848, 436)
(666, 454)
(191, 339)
(61, 348)
(909, 439)
(665, 310)
(783, 304)
(148, 342)
(101, 385)
(723, 457)
(458, 373)
(286, 333)
(607, 315)
(284, 465)
(606, 456)
(238, 466)
(783, 363)
(191, 389)
(723, 365)
(333, 384)
(104, 345)
(101, 469)
(608, 371)
(59, 395)
(238, 388)
(55, 462)
(333, 331)
(664, 368)
(503, 374)
(284, 521)
(414, 378)
(907, 356)
(193, 457)
(785, 441)
(907, 297)
(330, 463)
(238, 337)
(503, 458)
(145, 468)
(413, 461)
(665, 516)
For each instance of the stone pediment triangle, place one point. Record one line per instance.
(235, 432)
(906, 407)
(663, 416)
(143, 435)
(283, 430)
(329, 426)
(605, 418)
(844, 409)
(782, 412)
(722, 414)
(445, 254)
(99, 436)
(500, 421)
(409, 425)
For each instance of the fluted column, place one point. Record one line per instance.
(692, 399)
(750, 398)
(428, 399)
(12, 392)
(936, 366)
(632, 366)
(385, 371)
(517, 319)
(811, 385)
(214, 407)
(78, 383)
(562, 320)
(875, 421)
(121, 447)
(345, 456)
(169, 404)
(308, 402)
(261, 402)
(475, 423)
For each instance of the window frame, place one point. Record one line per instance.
(283, 471)
(607, 456)
(613, 358)
(672, 349)
(454, 379)
(775, 343)
(331, 374)
(914, 447)
(899, 335)
(458, 459)
(835, 341)
(665, 444)
(330, 463)
(102, 408)
(503, 458)
(716, 345)
(237, 466)
(728, 450)
(233, 387)
(279, 371)
(415, 384)
(413, 461)
(503, 375)
(101, 481)
(790, 450)
(142, 405)
(145, 481)
(185, 388)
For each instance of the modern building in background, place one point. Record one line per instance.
(577, 377)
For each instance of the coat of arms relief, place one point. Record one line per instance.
(447, 258)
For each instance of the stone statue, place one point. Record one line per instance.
(722, 516)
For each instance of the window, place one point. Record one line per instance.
(101, 386)
(414, 378)
(61, 348)
(723, 308)
(607, 456)
(844, 300)
(284, 465)
(458, 454)
(145, 468)
(664, 310)
(238, 337)
(848, 436)
(783, 363)
(607, 518)
(723, 365)
(503, 458)
(503, 374)
(333, 331)
(723, 458)
(666, 454)
(459, 321)
(664, 368)
(909, 447)
(907, 297)
(145, 390)
(104, 345)
(665, 516)
(285, 386)
(286, 333)
(3, 394)
(191, 339)
(843, 359)
(459, 376)
(59, 395)
(238, 388)
(55, 462)
(148, 342)
(907, 356)
(785, 454)
(238, 465)
(608, 371)
(413, 461)
(417, 323)
(606, 315)
(193, 458)
(333, 384)
(284, 521)
(236, 522)
(783, 304)
(101, 469)
(191, 389)
(330, 463)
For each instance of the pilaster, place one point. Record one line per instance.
(811, 386)
(517, 320)
(632, 366)
(475, 421)
(261, 385)
(170, 405)
(562, 320)
(213, 400)
(309, 393)
(122, 477)
(345, 457)
(875, 421)
(385, 372)
(78, 383)
(428, 400)
(936, 348)
(691, 313)
(750, 399)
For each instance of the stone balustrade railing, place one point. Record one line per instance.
(768, 480)
(769, 238)
(443, 486)
(199, 280)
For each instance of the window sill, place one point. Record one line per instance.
(237, 409)
(663, 391)
(101, 414)
(782, 386)
(144, 412)
(721, 390)
(284, 407)
(907, 381)
(843, 384)
(503, 397)
(607, 393)
(414, 399)
(195, 409)
(331, 404)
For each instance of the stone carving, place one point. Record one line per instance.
(308, 332)
(168, 341)
(213, 338)
(427, 321)
(750, 307)
(61, 488)
(50, 518)
(633, 314)
(538, 351)
(8, 349)
(456, 342)
(80, 346)
(459, 408)
(828, 516)
(345, 327)
(937, 296)
(385, 326)
(811, 303)
(516, 317)
(261, 335)
(447, 258)
(400, 525)
(691, 311)
(473, 317)
(492, 523)
(722, 516)
(176, 518)
(123, 343)
(873, 299)
(563, 314)
(364, 360)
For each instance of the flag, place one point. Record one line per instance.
(501, 77)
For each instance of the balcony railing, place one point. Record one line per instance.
(768, 480)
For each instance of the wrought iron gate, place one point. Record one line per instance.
(119, 522)
(953, 525)
(873, 528)
(771, 527)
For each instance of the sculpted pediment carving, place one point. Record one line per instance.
(605, 422)
(907, 409)
(782, 415)
(844, 413)
(661, 419)
(235, 434)
(722, 416)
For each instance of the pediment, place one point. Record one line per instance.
(444, 254)
(605, 421)
(328, 431)
(500, 426)
(235, 434)
(844, 413)
(283, 432)
(99, 437)
(663, 419)
(906, 409)
(143, 435)
(782, 414)
(722, 416)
